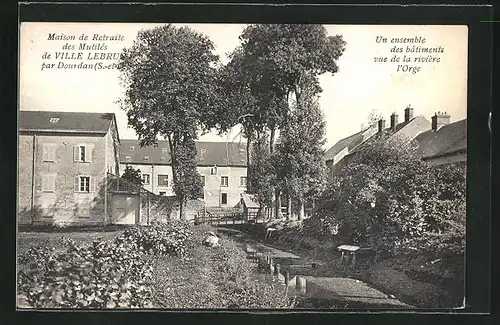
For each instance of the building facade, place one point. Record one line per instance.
(439, 141)
(63, 161)
(222, 167)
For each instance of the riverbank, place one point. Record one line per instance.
(406, 277)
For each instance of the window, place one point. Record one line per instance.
(162, 193)
(213, 170)
(224, 180)
(49, 183)
(54, 120)
(146, 158)
(243, 181)
(162, 180)
(202, 177)
(202, 154)
(83, 184)
(223, 198)
(82, 153)
(49, 152)
(146, 179)
(132, 148)
(128, 158)
(162, 159)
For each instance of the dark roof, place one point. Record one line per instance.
(349, 142)
(448, 139)
(66, 121)
(214, 153)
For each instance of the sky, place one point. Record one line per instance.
(359, 87)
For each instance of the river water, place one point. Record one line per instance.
(310, 290)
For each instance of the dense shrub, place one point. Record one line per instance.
(388, 198)
(159, 238)
(98, 275)
(102, 274)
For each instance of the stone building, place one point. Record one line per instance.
(64, 158)
(221, 165)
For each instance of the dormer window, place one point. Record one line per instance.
(146, 158)
(213, 170)
(54, 120)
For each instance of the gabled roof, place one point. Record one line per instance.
(74, 122)
(407, 131)
(250, 201)
(349, 142)
(448, 139)
(207, 153)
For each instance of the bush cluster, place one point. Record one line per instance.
(159, 238)
(102, 274)
(98, 275)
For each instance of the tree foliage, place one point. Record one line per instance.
(272, 63)
(132, 175)
(299, 162)
(170, 76)
(261, 174)
(389, 198)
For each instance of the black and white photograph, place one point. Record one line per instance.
(234, 166)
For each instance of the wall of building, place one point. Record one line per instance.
(112, 150)
(25, 174)
(153, 171)
(64, 205)
(212, 190)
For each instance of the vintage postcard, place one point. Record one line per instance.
(241, 166)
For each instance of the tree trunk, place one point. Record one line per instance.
(278, 205)
(301, 211)
(289, 207)
(182, 209)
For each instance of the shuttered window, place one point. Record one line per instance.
(84, 184)
(49, 182)
(82, 153)
(49, 152)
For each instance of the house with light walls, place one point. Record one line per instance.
(64, 159)
(221, 165)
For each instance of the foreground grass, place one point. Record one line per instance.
(203, 277)
(219, 277)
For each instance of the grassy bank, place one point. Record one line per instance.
(192, 277)
(416, 278)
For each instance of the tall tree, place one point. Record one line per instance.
(261, 176)
(282, 56)
(299, 158)
(169, 75)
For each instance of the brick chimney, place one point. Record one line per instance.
(439, 119)
(408, 113)
(394, 120)
(381, 125)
